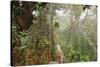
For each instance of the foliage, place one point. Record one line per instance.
(78, 38)
(56, 24)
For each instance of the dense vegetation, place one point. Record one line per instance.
(38, 27)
